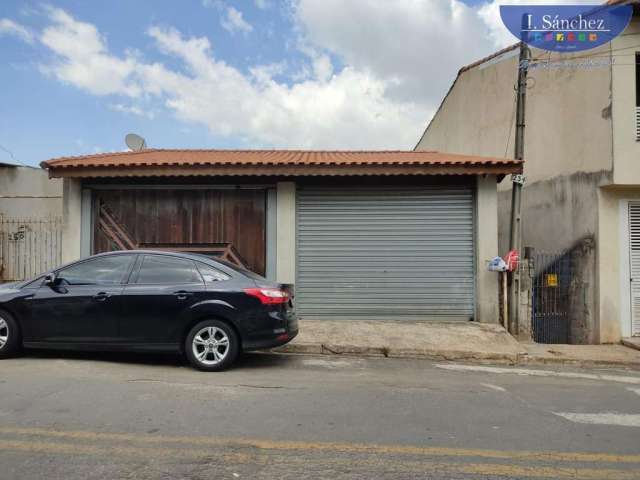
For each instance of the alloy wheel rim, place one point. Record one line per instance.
(4, 332)
(210, 345)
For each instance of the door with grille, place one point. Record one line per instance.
(634, 266)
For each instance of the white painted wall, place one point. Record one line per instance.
(613, 259)
(487, 283)
(286, 232)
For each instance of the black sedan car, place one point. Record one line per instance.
(148, 301)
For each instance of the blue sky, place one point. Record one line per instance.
(77, 75)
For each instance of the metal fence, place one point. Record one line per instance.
(550, 291)
(28, 246)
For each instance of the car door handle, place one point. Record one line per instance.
(182, 295)
(101, 297)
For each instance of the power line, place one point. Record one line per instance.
(513, 114)
(593, 55)
(11, 155)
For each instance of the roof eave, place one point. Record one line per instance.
(499, 169)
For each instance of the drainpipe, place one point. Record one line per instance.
(515, 231)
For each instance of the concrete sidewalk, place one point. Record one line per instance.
(470, 341)
(632, 342)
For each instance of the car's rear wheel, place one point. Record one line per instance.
(212, 345)
(9, 335)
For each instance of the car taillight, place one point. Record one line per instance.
(268, 296)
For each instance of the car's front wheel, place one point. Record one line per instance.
(9, 336)
(212, 345)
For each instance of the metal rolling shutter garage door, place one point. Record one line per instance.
(385, 253)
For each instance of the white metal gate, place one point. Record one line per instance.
(634, 266)
(385, 253)
(28, 247)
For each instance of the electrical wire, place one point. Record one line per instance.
(11, 155)
(594, 55)
(513, 119)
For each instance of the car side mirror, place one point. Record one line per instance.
(50, 279)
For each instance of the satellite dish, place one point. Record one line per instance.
(135, 142)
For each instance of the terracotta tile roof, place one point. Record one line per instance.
(489, 57)
(157, 162)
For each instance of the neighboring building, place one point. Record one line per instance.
(30, 221)
(363, 235)
(582, 146)
(27, 192)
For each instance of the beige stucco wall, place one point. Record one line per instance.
(476, 115)
(487, 307)
(568, 154)
(28, 192)
(568, 126)
(286, 232)
(626, 148)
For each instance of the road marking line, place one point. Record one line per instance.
(606, 418)
(490, 386)
(85, 435)
(634, 390)
(319, 362)
(517, 471)
(540, 373)
(168, 454)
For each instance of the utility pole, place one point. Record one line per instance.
(515, 231)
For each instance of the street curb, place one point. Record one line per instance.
(627, 343)
(352, 350)
(525, 359)
(521, 358)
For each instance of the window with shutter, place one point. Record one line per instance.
(638, 96)
(634, 262)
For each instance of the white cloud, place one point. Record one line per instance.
(9, 27)
(348, 109)
(83, 59)
(414, 46)
(262, 4)
(132, 109)
(396, 63)
(233, 21)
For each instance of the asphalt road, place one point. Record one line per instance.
(96, 416)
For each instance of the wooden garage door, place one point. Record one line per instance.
(204, 220)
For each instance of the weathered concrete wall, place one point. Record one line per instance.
(286, 232)
(556, 213)
(561, 214)
(27, 192)
(525, 314)
(72, 219)
(487, 308)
